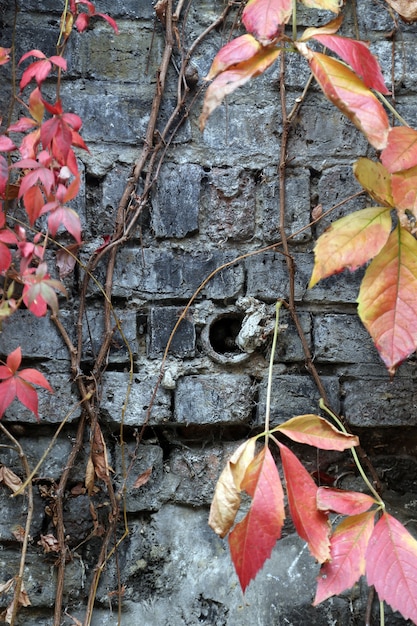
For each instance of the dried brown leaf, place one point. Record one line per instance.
(49, 543)
(10, 479)
(142, 479)
(406, 8)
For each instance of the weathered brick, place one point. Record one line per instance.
(115, 386)
(214, 399)
(175, 203)
(379, 402)
(175, 274)
(160, 486)
(336, 184)
(293, 394)
(297, 213)
(228, 205)
(342, 339)
(267, 276)
(37, 336)
(161, 323)
(289, 347)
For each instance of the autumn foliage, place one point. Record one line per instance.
(368, 541)
(39, 168)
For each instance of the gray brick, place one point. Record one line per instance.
(228, 205)
(289, 347)
(161, 322)
(379, 402)
(336, 184)
(115, 385)
(293, 395)
(175, 203)
(174, 274)
(37, 336)
(93, 332)
(342, 339)
(321, 142)
(197, 471)
(214, 399)
(160, 486)
(267, 276)
(297, 213)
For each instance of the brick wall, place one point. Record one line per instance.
(216, 198)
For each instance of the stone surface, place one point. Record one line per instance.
(216, 198)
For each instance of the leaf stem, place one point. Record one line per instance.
(294, 20)
(389, 106)
(354, 454)
(271, 365)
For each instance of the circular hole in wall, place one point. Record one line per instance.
(219, 337)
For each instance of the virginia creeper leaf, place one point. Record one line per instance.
(358, 56)
(347, 561)
(401, 150)
(263, 18)
(347, 91)
(325, 5)
(350, 242)
(328, 29)
(251, 540)
(230, 80)
(343, 502)
(236, 51)
(404, 191)
(391, 566)
(310, 523)
(19, 384)
(316, 431)
(388, 299)
(375, 179)
(226, 499)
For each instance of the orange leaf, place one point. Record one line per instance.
(401, 150)
(226, 499)
(343, 502)
(347, 562)
(263, 18)
(226, 82)
(251, 541)
(328, 29)
(350, 242)
(404, 190)
(388, 299)
(235, 52)
(347, 91)
(375, 179)
(316, 431)
(310, 523)
(391, 566)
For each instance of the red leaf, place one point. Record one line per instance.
(68, 218)
(359, 57)
(350, 242)
(235, 52)
(35, 377)
(391, 566)
(22, 125)
(310, 523)
(231, 79)
(263, 18)
(27, 395)
(343, 502)
(6, 144)
(347, 561)
(388, 299)
(316, 431)
(401, 150)
(13, 360)
(110, 20)
(347, 91)
(33, 201)
(251, 541)
(7, 394)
